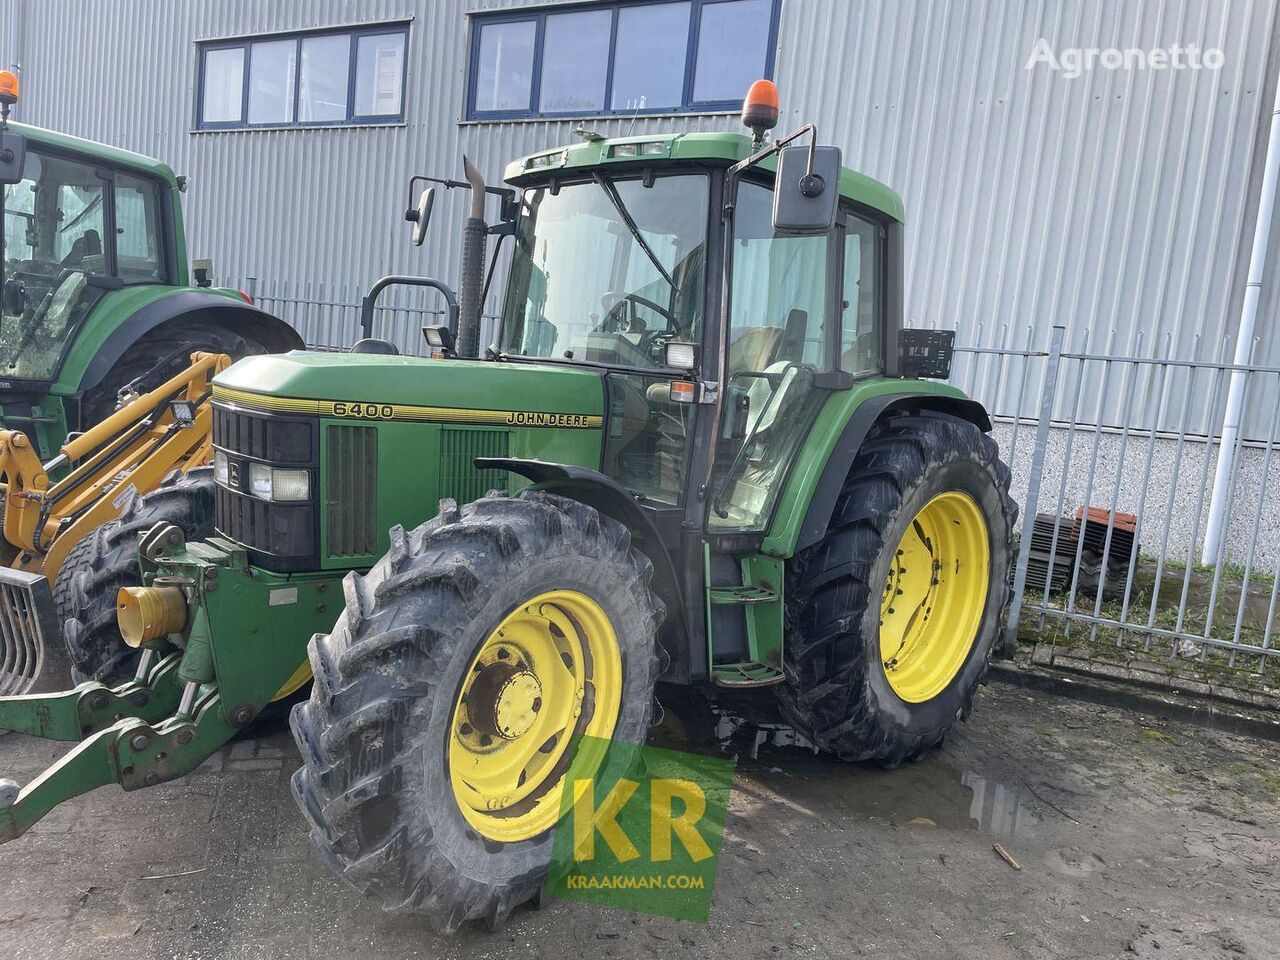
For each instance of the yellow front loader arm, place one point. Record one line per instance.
(133, 449)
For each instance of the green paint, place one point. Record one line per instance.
(100, 151)
(114, 309)
(712, 148)
(761, 598)
(381, 379)
(793, 504)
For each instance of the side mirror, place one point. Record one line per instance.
(420, 215)
(13, 156)
(805, 198)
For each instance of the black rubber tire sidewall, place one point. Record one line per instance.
(457, 838)
(920, 719)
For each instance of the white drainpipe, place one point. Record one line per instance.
(1244, 343)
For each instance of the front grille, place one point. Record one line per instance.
(278, 536)
(32, 656)
(273, 439)
(459, 447)
(351, 491)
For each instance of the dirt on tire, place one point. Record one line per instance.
(375, 734)
(836, 692)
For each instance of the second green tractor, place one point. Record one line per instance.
(700, 452)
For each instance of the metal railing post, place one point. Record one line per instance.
(1048, 390)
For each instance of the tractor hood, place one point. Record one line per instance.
(380, 387)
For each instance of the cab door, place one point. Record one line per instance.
(780, 359)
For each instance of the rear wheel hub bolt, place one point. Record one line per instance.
(140, 742)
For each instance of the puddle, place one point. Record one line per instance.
(934, 792)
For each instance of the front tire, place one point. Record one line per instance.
(893, 615)
(452, 648)
(107, 559)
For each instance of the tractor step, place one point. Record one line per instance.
(758, 661)
(742, 595)
(746, 675)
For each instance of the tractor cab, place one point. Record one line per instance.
(724, 288)
(660, 263)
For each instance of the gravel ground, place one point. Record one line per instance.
(1136, 836)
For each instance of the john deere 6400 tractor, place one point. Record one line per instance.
(95, 289)
(699, 453)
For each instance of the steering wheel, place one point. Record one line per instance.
(618, 320)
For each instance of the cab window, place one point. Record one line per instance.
(863, 298)
(778, 310)
(138, 232)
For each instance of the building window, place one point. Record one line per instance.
(299, 79)
(619, 58)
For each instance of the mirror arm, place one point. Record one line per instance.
(764, 153)
(506, 193)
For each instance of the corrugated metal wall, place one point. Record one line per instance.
(1118, 203)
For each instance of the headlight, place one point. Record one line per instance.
(275, 484)
(260, 480)
(290, 484)
(220, 467)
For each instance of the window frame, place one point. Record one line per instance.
(538, 15)
(247, 42)
(846, 209)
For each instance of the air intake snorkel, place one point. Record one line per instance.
(471, 284)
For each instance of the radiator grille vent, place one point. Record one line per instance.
(352, 491)
(459, 447)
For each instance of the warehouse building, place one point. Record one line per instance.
(1085, 163)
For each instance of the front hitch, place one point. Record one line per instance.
(211, 658)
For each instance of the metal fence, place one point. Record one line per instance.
(1114, 521)
(327, 315)
(1113, 460)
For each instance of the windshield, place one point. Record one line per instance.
(608, 270)
(56, 245)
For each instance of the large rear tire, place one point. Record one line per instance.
(159, 355)
(468, 640)
(893, 614)
(99, 565)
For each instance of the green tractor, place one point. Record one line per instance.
(95, 289)
(700, 453)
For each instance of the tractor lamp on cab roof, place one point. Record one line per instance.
(760, 110)
(8, 87)
(627, 151)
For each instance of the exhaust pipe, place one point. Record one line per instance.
(471, 287)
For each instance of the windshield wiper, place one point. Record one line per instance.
(612, 193)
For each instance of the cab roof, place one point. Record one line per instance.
(114, 156)
(714, 148)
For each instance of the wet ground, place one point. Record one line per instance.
(1132, 835)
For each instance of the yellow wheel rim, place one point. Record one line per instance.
(296, 681)
(934, 595)
(549, 671)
